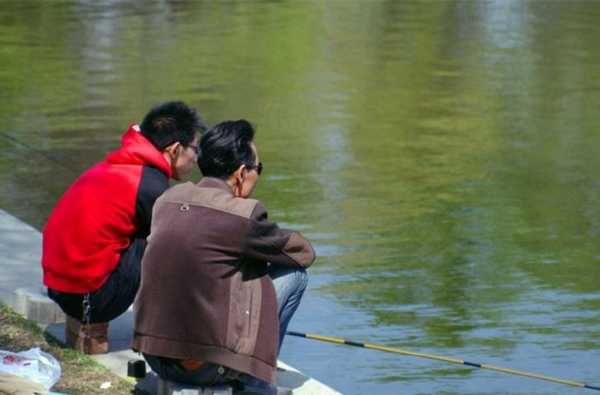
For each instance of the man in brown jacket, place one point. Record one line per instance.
(207, 311)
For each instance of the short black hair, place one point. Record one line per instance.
(171, 122)
(225, 147)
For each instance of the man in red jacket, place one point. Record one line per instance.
(96, 234)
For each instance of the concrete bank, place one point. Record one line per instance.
(21, 288)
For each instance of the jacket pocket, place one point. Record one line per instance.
(244, 314)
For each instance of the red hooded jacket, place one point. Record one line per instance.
(101, 213)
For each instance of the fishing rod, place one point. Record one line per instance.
(337, 340)
(67, 165)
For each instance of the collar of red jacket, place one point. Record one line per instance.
(137, 150)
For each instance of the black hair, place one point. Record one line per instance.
(225, 147)
(171, 122)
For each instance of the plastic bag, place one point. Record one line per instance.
(33, 364)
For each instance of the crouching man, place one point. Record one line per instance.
(96, 234)
(207, 311)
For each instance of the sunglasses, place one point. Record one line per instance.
(258, 168)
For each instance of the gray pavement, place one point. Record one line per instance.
(21, 288)
(20, 249)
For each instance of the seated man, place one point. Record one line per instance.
(207, 311)
(95, 236)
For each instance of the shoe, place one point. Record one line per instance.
(89, 339)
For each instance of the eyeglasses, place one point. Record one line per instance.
(258, 168)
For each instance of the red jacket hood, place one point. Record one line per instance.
(137, 150)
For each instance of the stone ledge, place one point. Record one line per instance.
(155, 385)
(170, 388)
(35, 305)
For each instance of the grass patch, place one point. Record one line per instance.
(80, 373)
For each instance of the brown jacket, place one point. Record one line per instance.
(204, 290)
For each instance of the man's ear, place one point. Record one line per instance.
(240, 173)
(173, 149)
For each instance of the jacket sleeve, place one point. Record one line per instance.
(152, 184)
(267, 242)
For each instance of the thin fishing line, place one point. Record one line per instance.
(59, 162)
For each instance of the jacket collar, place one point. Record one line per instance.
(213, 182)
(137, 150)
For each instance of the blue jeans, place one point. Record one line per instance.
(289, 284)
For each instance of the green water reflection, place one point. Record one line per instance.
(441, 155)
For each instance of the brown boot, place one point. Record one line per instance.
(89, 339)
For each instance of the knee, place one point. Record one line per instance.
(301, 279)
(288, 280)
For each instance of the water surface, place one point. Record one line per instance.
(442, 156)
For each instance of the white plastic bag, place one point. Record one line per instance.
(33, 364)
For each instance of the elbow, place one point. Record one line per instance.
(311, 256)
(300, 250)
